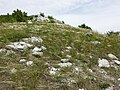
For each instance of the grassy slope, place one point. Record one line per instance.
(56, 38)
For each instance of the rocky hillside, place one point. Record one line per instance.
(54, 56)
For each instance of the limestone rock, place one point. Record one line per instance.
(117, 62)
(68, 64)
(111, 56)
(103, 63)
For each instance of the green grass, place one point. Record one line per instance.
(56, 38)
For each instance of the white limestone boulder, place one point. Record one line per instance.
(117, 62)
(111, 56)
(37, 49)
(19, 45)
(103, 63)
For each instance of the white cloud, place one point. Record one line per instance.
(102, 15)
(49, 6)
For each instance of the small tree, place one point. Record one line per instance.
(110, 33)
(50, 17)
(63, 22)
(19, 15)
(84, 26)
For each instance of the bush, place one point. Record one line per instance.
(110, 33)
(7, 18)
(84, 26)
(50, 18)
(42, 14)
(16, 16)
(63, 22)
(52, 21)
(19, 15)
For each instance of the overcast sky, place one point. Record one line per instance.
(101, 15)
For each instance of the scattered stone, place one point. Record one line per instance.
(67, 64)
(111, 56)
(3, 50)
(64, 60)
(22, 60)
(90, 70)
(43, 48)
(13, 70)
(95, 42)
(53, 71)
(70, 81)
(103, 63)
(81, 89)
(69, 48)
(117, 62)
(37, 49)
(91, 57)
(29, 63)
(68, 56)
(40, 18)
(78, 69)
(109, 45)
(113, 64)
(10, 52)
(118, 79)
(29, 22)
(19, 45)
